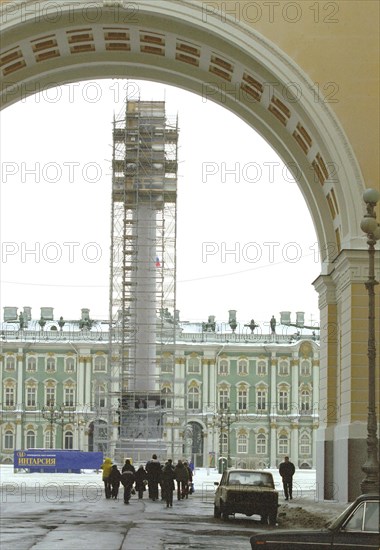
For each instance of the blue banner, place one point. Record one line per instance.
(52, 460)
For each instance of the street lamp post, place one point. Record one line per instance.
(223, 420)
(370, 484)
(54, 416)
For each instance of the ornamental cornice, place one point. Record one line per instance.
(351, 267)
(326, 288)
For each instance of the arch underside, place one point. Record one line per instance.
(237, 70)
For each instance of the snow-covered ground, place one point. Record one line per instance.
(69, 512)
(304, 481)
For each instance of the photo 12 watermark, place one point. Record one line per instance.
(50, 252)
(272, 12)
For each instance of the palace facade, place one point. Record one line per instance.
(247, 396)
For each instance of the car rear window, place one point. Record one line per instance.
(257, 479)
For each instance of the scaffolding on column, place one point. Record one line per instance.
(142, 278)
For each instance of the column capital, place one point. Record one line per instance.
(326, 288)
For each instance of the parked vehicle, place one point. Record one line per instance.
(246, 492)
(355, 528)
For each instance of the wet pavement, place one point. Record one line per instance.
(69, 512)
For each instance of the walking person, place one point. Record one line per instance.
(106, 467)
(189, 486)
(287, 470)
(115, 479)
(127, 479)
(128, 466)
(167, 484)
(182, 477)
(140, 480)
(153, 469)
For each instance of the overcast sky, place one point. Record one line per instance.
(246, 240)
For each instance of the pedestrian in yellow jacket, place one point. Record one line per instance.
(107, 467)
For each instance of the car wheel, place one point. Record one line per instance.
(273, 517)
(217, 512)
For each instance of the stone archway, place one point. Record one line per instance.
(187, 44)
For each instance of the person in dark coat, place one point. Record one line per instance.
(287, 470)
(128, 466)
(182, 477)
(153, 469)
(167, 484)
(140, 480)
(114, 479)
(127, 479)
(189, 486)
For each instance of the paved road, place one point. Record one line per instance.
(70, 519)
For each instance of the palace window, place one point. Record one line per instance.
(242, 367)
(167, 364)
(31, 364)
(261, 444)
(224, 396)
(223, 367)
(50, 396)
(8, 439)
(100, 363)
(242, 443)
(283, 400)
(69, 397)
(69, 440)
(50, 364)
(242, 398)
(283, 368)
(9, 396)
(69, 364)
(100, 396)
(305, 444)
(261, 400)
(31, 396)
(261, 368)
(10, 363)
(283, 445)
(305, 368)
(193, 401)
(48, 437)
(30, 439)
(193, 365)
(305, 402)
(167, 396)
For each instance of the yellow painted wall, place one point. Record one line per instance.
(333, 42)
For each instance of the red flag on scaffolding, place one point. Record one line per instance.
(158, 263)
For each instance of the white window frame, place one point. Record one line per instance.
(31, 396)
(261, 444)
(261, 368)
(193, 365)
(51, 364)
(242, 444)
(30, 439)
(243, 367)
(31, 364)
(223, 367)
(283, 445)
(194, 398)
(9, 439)
(103, 363)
